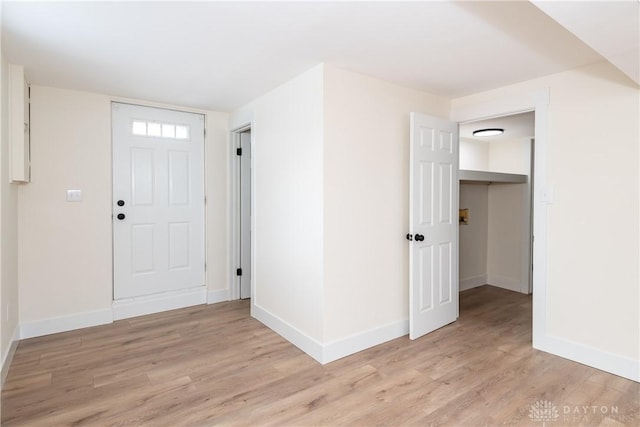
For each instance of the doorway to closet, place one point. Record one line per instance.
(496, 187)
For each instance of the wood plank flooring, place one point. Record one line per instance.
(215, 365)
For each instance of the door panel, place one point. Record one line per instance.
(142, 176)
(158, 179)
(433, 215)
(179, 173)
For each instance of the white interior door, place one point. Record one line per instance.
(245, 215)
(433, 294)
(158, 200)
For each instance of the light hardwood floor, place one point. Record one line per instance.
(215, 365)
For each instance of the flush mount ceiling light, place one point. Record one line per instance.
(488, 132)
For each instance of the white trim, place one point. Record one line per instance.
(217, 295)
(70, 322)
(140, 306)
(613, 363)
(472, 282)
(8, 357)
(363, 340)
(336, 349)
(296, 337)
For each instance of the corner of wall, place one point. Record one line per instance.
(9, 292)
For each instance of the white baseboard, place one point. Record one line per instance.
(8, 356)
(613, 363)
(336, 349)
(472, 282)
(139, 306)
(363, 340)
(217, 295)
(71, 322)
(296, 337)
(504, 282)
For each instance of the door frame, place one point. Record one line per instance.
(235, 212)
(537, 101)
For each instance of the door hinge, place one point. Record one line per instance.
(239, 272)
(239, 151)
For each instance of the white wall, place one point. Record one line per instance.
(287, 216)
(508, 237)
(216, 187)
(474, 155)
(65, 267)
(473, 236)
(508, 243)
(366, 256)
(9, 232)
(331, 164)
(592, 162)
(510, 156)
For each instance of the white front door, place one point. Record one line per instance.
(158, 200)
(433, 221)
(245, 214)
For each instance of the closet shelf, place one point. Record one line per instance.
(481, 177)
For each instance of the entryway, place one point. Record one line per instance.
(158, 201)
(496, 179)
(424, 282)
(241, 213)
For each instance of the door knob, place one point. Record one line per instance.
(409, 236)
(121, 216)
(120, 202)
(419, 237)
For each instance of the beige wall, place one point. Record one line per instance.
(9, 232)
(473, 236)
(217, 155)
(65, 248)
(474, 155)
(508, 243)
(592, 165)
(366, 195)
(331, 165)
(510, 156)
(508, 236)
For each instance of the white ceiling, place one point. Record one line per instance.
(221, 55)
(515, 126)
(612, 28)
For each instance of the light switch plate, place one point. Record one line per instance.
(74, 195)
